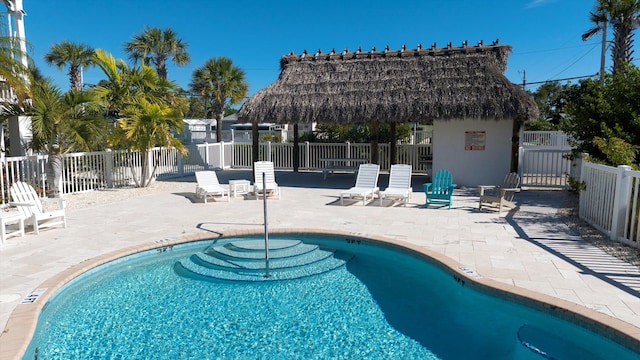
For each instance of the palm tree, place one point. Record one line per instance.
(14, 73)
(154, 46)
(75, 56)
(15, 78)
(624, 17)
(140, 103)
(62, 123)
(219, 83)
(144, 125)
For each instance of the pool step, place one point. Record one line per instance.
(235, 251)
(244, 261)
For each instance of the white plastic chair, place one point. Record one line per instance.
(29, 204)
(366, 184)
(271, 186)
(399, 184)
(207, 185)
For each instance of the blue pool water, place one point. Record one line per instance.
(381, 303)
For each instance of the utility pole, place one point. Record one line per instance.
(524, 79)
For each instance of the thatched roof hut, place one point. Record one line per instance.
(419, 85)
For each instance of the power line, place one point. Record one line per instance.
(564, 79)
(554, 49)
(573, 63)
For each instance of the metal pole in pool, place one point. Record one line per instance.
(266, 226)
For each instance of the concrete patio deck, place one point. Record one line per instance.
(529, 248)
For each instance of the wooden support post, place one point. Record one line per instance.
(296, 149)
(374, 142)
(255, 149)
(515, 145)
(393, 146)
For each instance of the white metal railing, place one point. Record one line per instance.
(610, 201)
(544, 138)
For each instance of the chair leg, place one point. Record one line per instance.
(3, 233)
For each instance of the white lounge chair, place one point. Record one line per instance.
(270, 185)
(502, 195)
(207, 185)
(29, 204)
(399, 184)
(366, 184)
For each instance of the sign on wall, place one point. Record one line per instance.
(475, 140)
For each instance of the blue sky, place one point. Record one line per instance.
(545, 34)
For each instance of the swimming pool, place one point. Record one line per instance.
(380, 302)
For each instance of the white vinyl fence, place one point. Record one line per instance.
(540, 165)
(109, 169)
(545, 138)
(610, 201)
(545, 166)
(281, 154)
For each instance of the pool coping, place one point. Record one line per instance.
(22, 322)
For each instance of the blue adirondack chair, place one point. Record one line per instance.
(440, 189)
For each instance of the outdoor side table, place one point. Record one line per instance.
(7, 218)
(239, 187)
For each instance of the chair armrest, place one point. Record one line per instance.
(503, 191)
(21, 204)
(483, 188)
(427, 186)
(62, 203)
(510, 189)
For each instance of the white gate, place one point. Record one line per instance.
(543, 166)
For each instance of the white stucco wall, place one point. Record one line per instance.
(471, 168)
(20, 135)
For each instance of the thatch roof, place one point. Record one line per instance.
(392, 86)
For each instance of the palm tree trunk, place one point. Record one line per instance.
(603, 51)
(219, 130)
(54, 175)
(132, 166)
(144, 169)
(219, 124)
